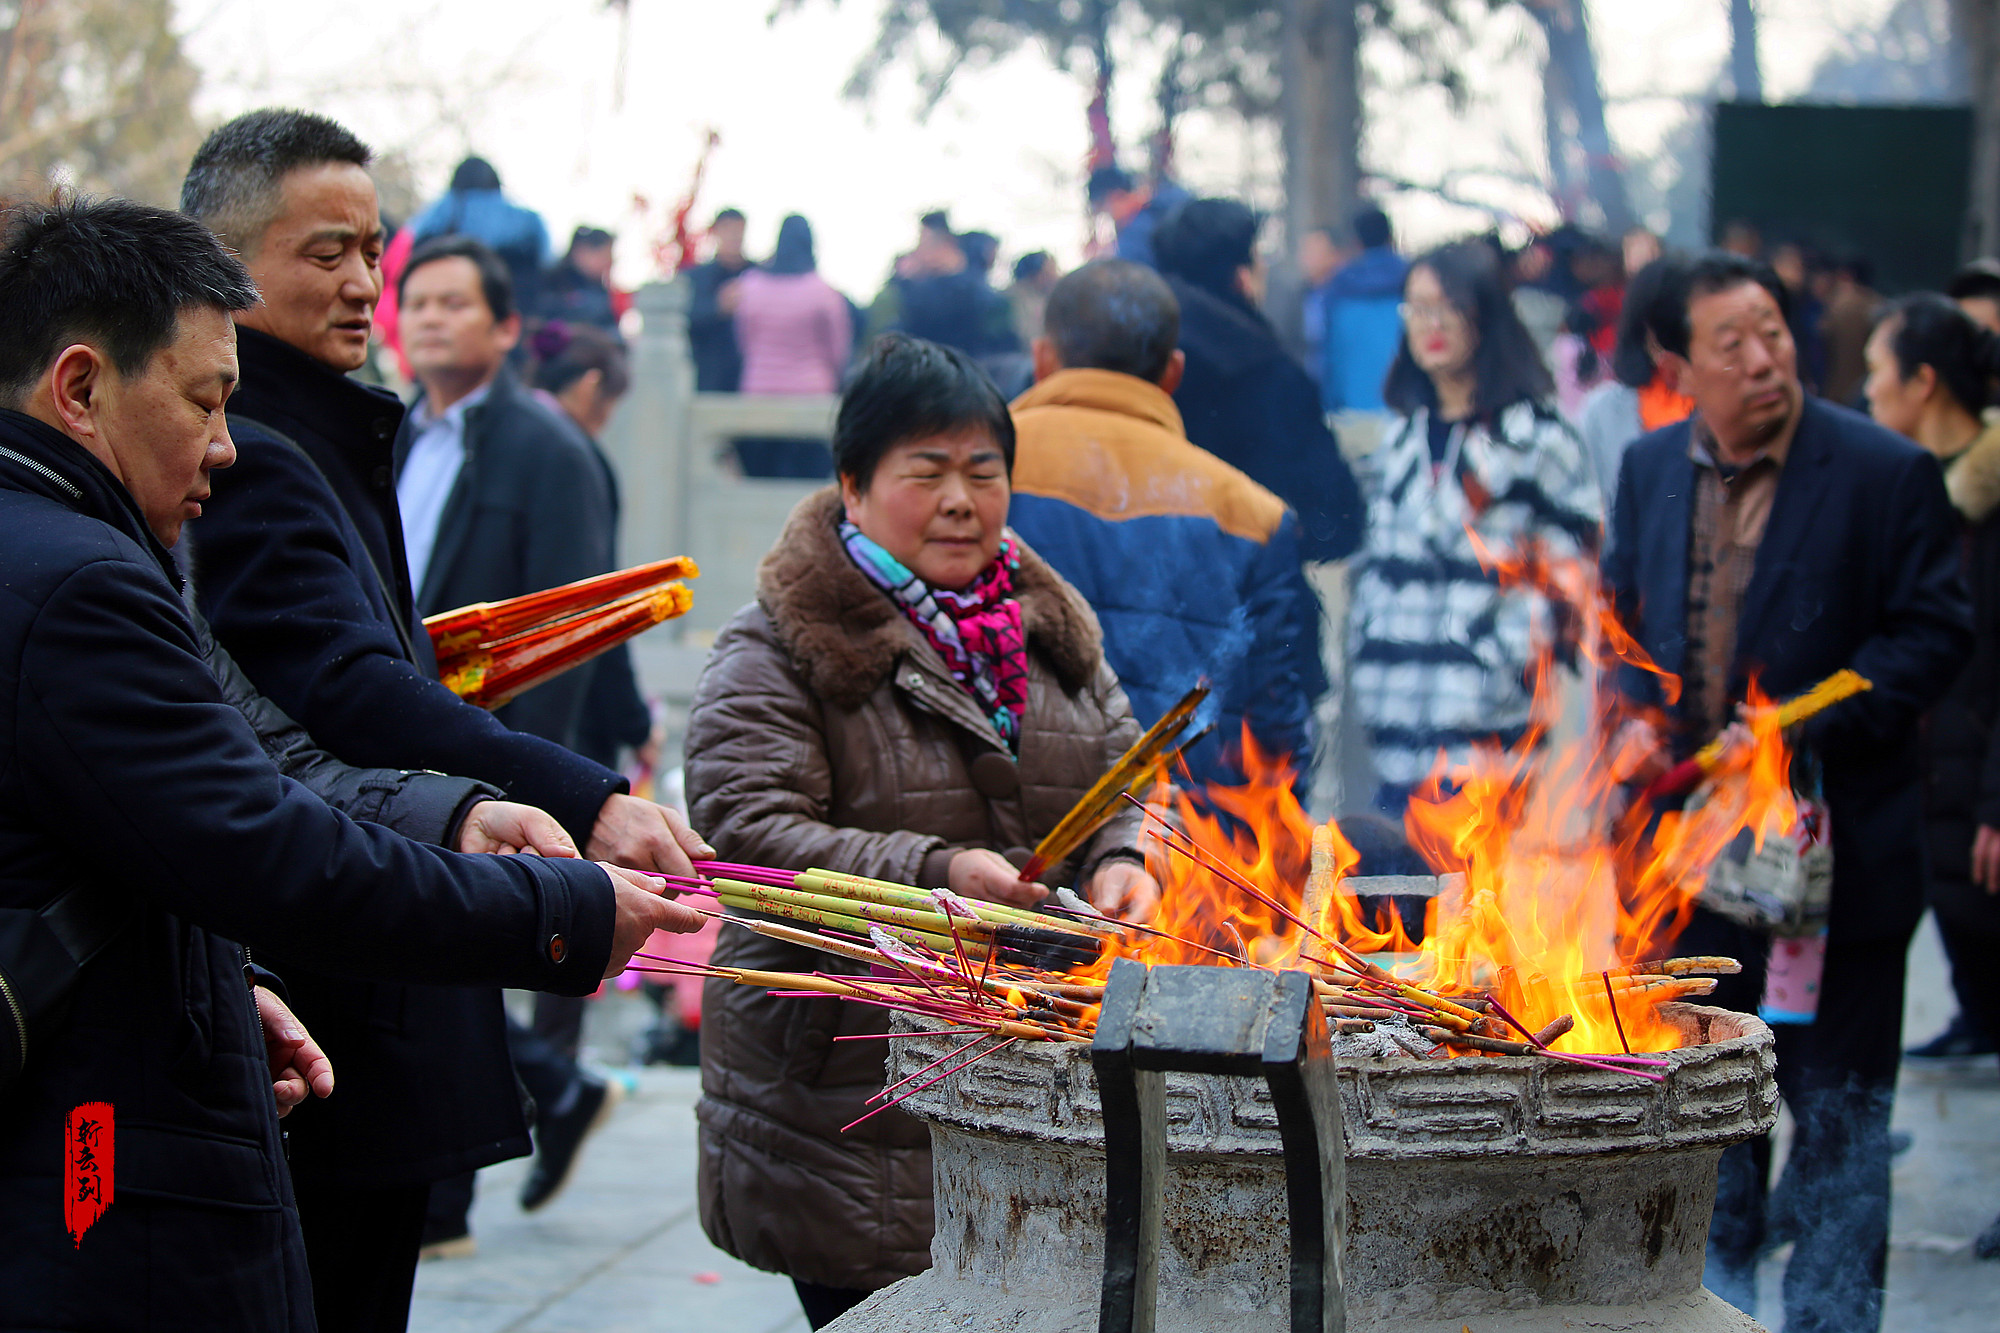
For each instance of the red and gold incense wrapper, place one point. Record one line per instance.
(478, 625)
(498, 671)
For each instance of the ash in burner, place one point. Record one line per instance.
(1390, 1037)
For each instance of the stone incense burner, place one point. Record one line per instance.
(1497, 1193)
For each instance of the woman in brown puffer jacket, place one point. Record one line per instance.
(914, 696)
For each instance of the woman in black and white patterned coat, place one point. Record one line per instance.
(1439, 654)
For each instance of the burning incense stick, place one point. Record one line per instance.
(1136, 765)
(1683, 777)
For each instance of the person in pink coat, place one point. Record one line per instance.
(795, 333)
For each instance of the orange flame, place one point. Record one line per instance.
(1563, 883)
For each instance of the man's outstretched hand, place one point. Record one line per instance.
(298, 1065)
(645, 836)
(506, 828)
(642, 909)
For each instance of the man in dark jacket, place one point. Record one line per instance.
(1192, 568)
(499, 495)
(718, 361)
(304, 578)
(1243, 398)
(1777, 535)
(142, 1180)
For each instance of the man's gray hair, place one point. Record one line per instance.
(235, 183)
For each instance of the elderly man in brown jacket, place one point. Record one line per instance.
(839, 724)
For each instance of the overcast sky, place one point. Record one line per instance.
(530, 86)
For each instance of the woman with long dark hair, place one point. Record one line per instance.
(1477, 458)
(1931, 375)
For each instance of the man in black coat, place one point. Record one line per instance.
(142, 1179)
(1243, 398)
(302, 574)
(1780, 536)
(499, 495)
(718, 361)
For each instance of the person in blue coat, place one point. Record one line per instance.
(1360, 319)
(152, 1087)
(1192, 568)
(475, 206)
(1778, 537)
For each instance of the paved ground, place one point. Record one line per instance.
(622, 1250)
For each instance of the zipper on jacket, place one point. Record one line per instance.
(49, 472)
(14, 1012)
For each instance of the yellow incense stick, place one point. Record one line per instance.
(1136, 765)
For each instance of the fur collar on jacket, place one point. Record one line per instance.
(1973, 478)
(844, 635)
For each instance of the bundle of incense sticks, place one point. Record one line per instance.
(988, 970)
(492, 652)
(453, 632)
(937, 920)
(1685, 776)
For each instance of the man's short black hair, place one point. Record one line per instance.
(1029, 266)
(1980, 278)
(1372, 229)
(906, 389)
(107, 272)
(1706, 274)
(1205, 241)
(936, 220)
(496, 284)
(234, 184)
(1106, 181)
(726, 215)
(591, 238)
(1112, 314)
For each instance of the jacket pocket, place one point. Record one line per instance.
(191, 1167)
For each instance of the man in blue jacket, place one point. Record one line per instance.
(1193, 569)
(1778, 536)
(132, 784)
(1360, 318)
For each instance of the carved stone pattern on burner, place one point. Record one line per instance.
(1468, 1106)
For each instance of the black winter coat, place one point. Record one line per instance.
(1245, 400)
(1856, 569)
(426, 807)
(528, 511)
(302, 574)
(126, 765)
(1961, 742)
(718, 362)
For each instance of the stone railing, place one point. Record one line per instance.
(681, 492)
